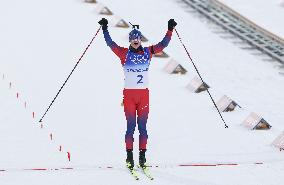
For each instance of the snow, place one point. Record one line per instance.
(268, 15)
(40, 44)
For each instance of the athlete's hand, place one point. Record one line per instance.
(103, 22)
(171, 24)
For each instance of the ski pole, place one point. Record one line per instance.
(226, 126)
(70, 74)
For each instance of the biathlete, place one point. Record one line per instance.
(135, 61)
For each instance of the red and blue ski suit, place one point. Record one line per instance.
(135, 63)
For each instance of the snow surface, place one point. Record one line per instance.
(268, 15)
(41, 42)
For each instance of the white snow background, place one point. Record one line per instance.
(41, 42)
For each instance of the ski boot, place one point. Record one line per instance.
(142, 158)
(129, 159)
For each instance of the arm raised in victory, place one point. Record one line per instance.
(166, 40)
(119, 51)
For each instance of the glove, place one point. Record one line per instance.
(171, 24)
(103, 22)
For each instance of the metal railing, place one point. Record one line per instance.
(240, 26)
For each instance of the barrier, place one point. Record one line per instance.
(196, 85)
(254, 121)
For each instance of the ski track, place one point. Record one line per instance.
(39, 49)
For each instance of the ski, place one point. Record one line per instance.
(133, 172)
(146, 172)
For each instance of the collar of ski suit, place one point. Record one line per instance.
(139, 49)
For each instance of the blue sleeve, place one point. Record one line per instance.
(119, 51)
(108, 40)
(161, 45)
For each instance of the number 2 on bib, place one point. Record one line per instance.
(140, 79)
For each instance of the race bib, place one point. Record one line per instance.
(136, 70)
